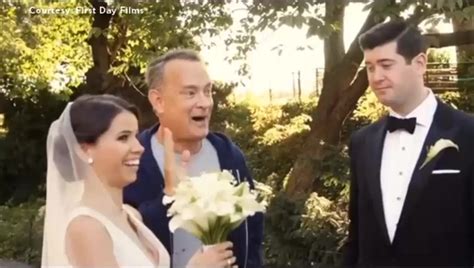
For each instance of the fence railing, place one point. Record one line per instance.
(440, 77)
(443, 77)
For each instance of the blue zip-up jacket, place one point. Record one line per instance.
(146, 195)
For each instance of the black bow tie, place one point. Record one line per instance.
(408, 124)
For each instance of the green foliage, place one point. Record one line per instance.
(299, 233)
(311, 15)
(465, 71)
(21, 229)
(436, 56)
(162, 26)
(51, 52)
(302, 233)
(368, 109)
(41, 51)
(23, 148)
(308, 232)
(449, 9)
(463, 100)
(46, 57)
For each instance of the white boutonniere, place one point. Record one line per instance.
(434, 150)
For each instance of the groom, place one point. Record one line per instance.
(404, 210)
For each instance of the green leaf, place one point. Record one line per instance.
(440, 3)
(287, 20)
(456, 15)
(299, 21)
(469, 11)
(451, 5)
(314, 27)
(95, 32)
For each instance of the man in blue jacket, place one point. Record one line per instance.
(180, 92)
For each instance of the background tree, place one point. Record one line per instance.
(49, 59)
(345, 80)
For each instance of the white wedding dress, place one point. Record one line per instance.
(126, 252)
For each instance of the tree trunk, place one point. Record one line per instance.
(334, 43)
(99, 79)
(96, 76)
(325, 131)
(339, 95)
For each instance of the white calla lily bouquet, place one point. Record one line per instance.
(210, 206)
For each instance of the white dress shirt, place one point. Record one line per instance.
(401, 151)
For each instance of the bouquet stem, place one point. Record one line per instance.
(218, 232)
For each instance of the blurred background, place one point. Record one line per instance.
(290, 88)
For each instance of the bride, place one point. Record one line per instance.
(93, 154)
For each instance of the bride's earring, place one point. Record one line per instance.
(90, 160)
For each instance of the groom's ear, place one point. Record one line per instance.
(419, 62)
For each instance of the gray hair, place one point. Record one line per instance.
(155, 71)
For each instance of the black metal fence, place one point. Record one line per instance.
(443, 77)
(440, 77)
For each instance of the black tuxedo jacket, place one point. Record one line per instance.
(436, 226)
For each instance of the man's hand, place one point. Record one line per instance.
(173, 173)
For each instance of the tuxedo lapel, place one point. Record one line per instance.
(441, 128)
(376, 143)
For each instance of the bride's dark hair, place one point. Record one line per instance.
(91, 115)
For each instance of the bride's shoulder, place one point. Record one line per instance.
(88, 243)
(133, 211)
(85, 236)
(83, 227)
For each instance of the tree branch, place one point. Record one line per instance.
(353, 58)
(340, 77)
(353, 93)
(120, 40)
(420, 14)
(334, 44)
(438, 40)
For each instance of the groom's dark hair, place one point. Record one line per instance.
(410, 41)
